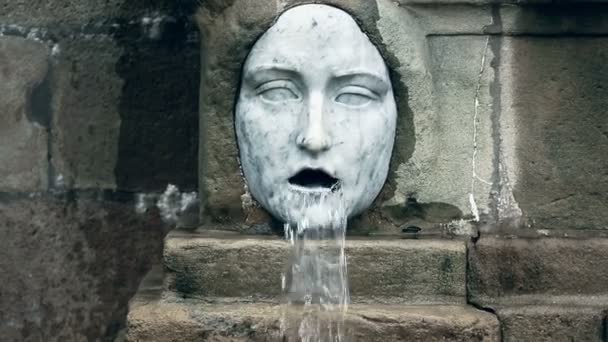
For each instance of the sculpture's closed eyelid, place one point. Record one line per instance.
(356, 96)
(359, 90)
(278, 90)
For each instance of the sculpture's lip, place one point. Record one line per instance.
(314, 179)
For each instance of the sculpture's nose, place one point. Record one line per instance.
(313, 136)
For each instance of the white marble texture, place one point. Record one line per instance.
(316, 96)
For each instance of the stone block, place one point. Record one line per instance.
(86, 113)
(452, 18)
(23, 136)
(460, 166)
(76, 13)
(164, 321)
(380, 271)
(509, 17)
(556, 18)
(125, 114)
(551, 324)
(554, 131)
(538, 271)
(69, 269)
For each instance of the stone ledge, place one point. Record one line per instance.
(380, 271)
(551, 323)
(165, 321)
(538, 271)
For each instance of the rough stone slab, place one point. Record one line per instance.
(69, 269)
(76, 12)
(395, 271)
(86, 117)
(554, 130)
(125, 114)
(551, 324)
(538, 271)
(575, 18)
(23, 138)
(463, 160)
(457, 18)
(163, 321)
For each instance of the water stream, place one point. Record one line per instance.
(316, 281)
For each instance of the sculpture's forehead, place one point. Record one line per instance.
(316, 36)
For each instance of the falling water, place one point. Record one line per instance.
(316, 281)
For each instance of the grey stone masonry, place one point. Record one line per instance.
(98, 101)
(119, 99)
(538, 271)
(86, 118)
(24, 66)
(551, 323)
(238, 267)
(169, 321)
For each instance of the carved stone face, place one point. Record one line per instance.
(316, 116)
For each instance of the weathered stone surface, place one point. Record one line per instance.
(455, 18)
(165, 321)
(385, 271)
(69, 268)
(538, 271)
(23, 137)
(86, 118)
(558, 18)
(124, 115)
(555, 129)
(460, 165)
(474, 17)
(75, 12)
(551, 324)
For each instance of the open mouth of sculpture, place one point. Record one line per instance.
(314, 179)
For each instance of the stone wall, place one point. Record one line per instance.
(98, 103)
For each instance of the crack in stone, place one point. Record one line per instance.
(474, 176)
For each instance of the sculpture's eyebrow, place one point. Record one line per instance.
(264, 72)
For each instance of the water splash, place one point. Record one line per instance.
(316, 281)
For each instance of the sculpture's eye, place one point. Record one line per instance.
(277, 91)
(355, 96)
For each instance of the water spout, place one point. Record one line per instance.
(316, 281)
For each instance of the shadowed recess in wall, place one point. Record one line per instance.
(159, 106)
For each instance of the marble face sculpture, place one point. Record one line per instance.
(315, 117)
